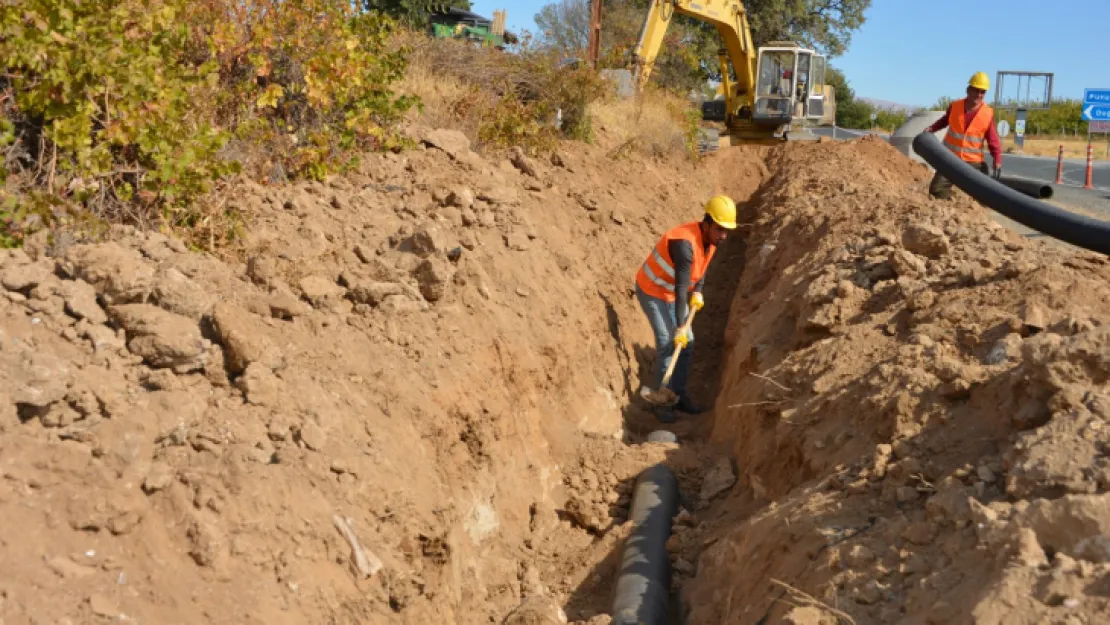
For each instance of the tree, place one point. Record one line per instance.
(824, 25)
(413, 13)
(565, 25)
(850, 112)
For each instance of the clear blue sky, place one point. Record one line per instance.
(913, 52)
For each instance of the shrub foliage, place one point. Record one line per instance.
(131, 109)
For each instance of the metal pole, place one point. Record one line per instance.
(1060, 166)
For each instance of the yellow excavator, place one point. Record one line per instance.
(771, 94)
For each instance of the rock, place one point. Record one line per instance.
(312, 435)
(985, 474)
(906, 263)
(428, 240)
(158, 477)
(177, 293)
(374, 293)
(462, 197)
(808, 615)
(321, 291)
(718, 479)
(536, 610)
(162, 338)
(103, 339)
(617, 218)
(521, 162)
(452, 142)
(517, 240)
(433, 275)
(867, 593)
(103, 606)
(1033, 318)
(499, 195)
(926, 240)
(259, 385)
(285, 305)
(118, 274)
(24, 277)
(69, 569)
(1077, 525)
(262, 270)
(920, 533)
(80, 302)
(243, 339)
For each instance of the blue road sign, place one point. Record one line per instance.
(1096, 96)
(1096, 105)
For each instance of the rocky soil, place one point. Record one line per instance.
(916, 399)
(409, 398)
(406, 401)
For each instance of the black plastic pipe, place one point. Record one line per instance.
(1091, 234)
(1032, 188)
(642, 594)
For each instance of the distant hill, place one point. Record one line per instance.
(891, 106)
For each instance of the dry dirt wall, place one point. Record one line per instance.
(434, 352)
(917, 403)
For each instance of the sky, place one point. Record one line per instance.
(913, 52)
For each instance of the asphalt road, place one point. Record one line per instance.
(1044, 169)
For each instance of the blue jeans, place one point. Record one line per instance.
(661, 316)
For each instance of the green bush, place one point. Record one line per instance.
(131, 109)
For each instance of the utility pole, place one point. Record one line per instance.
(594, 49)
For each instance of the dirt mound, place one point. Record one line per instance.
(403, 404)
(916, 402)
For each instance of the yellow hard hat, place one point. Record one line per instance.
(722, 210)
(980, 81)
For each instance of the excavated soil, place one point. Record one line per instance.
(411, 399)
(916, 401)
(435, 355)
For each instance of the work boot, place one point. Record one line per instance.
(685, 404)
(665, 414)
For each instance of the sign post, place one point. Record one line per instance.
(1096, 112)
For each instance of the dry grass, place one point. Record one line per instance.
(651, 124)
(456, 82)
(1074, 147)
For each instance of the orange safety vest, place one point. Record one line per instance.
(656, 276)
(964, 139)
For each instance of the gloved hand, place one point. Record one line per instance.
(681, 340)
(697, 301)
(997, 172)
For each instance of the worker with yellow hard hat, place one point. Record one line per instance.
(970, 123)
(669, 283)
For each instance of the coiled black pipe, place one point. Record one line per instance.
(642, 594)
(1091, 234)
(1032, 188)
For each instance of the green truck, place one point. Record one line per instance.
(455, 23)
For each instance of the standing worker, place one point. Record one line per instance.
(970, 122)
(674, 271)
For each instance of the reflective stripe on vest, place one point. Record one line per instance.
(656, 275)
(966, 140)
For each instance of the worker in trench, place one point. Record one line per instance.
(669, 285)
(970, 123)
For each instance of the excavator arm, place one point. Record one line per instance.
(769, 90)
(731, 21)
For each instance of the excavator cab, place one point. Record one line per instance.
(790, 85)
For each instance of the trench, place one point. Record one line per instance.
(642, 589)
